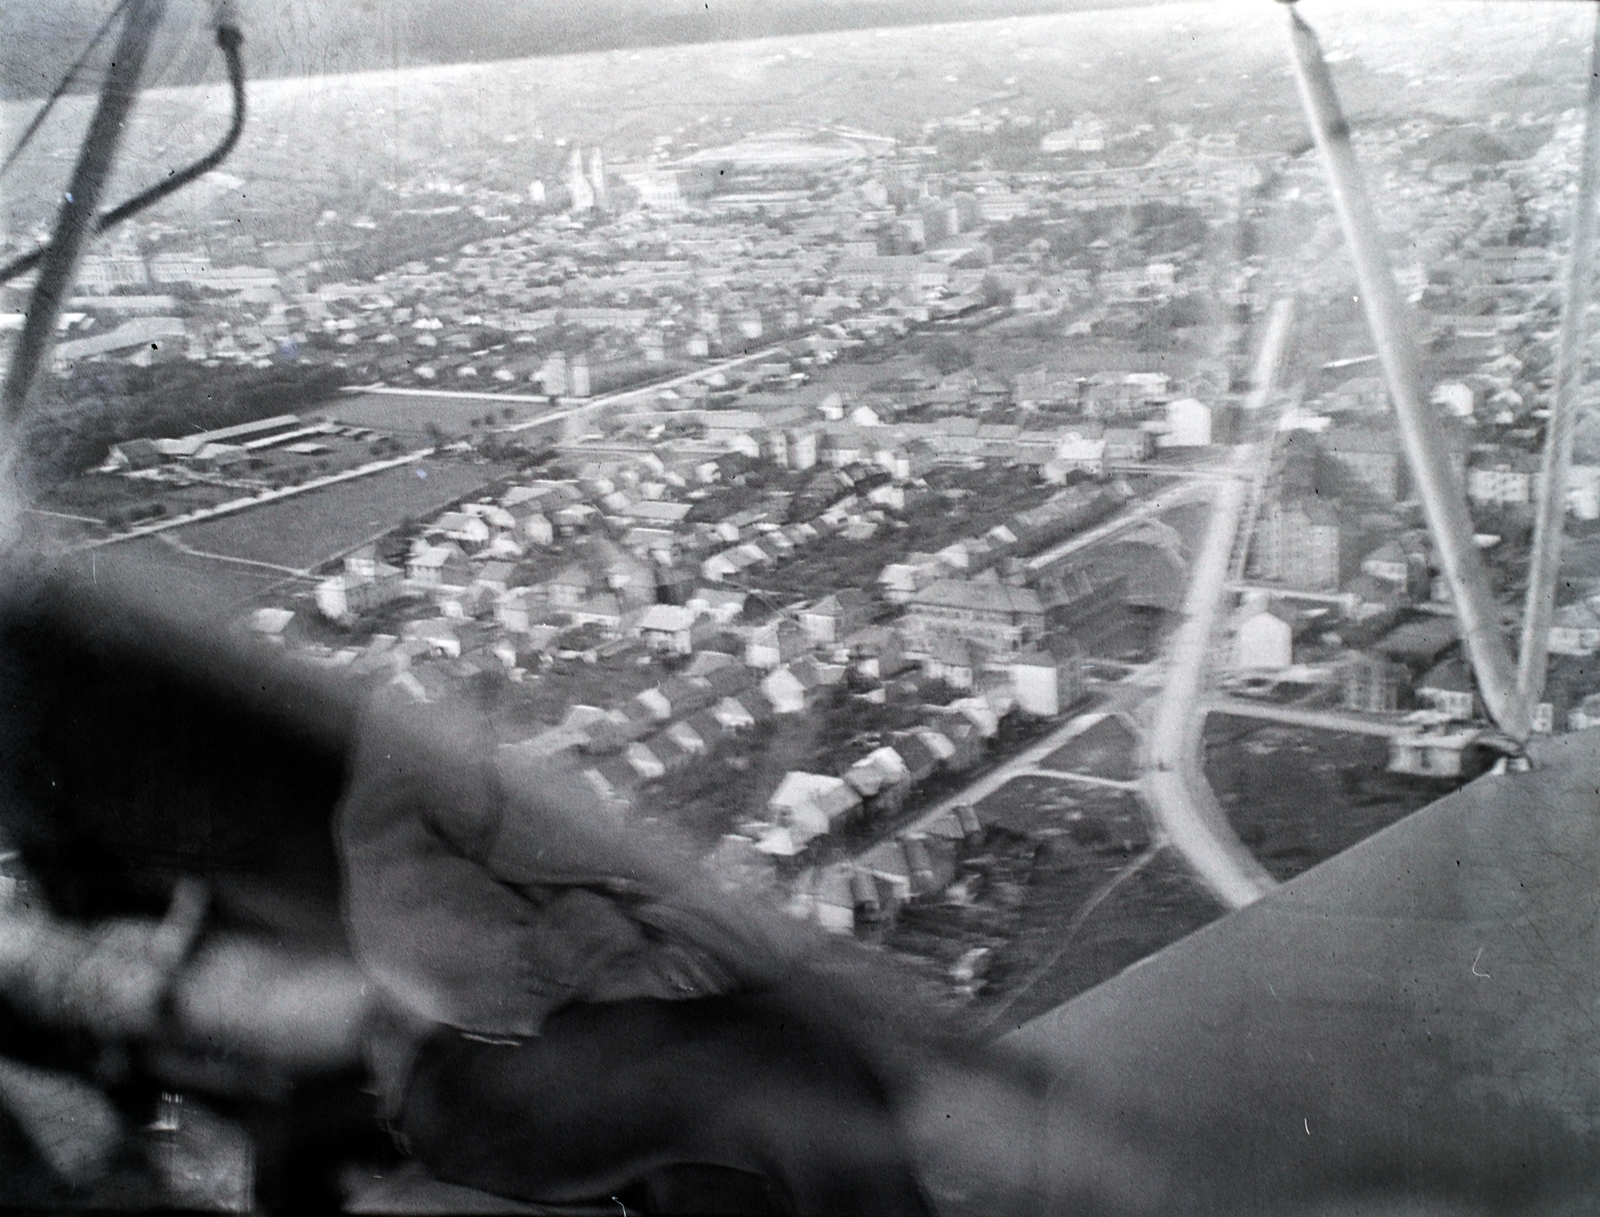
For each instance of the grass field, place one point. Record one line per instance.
(161, 574)
(409, 414)
(1151, 909)
(1297, 796)
(1050, 848)
(306, 529)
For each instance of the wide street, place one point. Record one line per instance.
(1174, 783)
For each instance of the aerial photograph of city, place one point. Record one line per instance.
(852, 606)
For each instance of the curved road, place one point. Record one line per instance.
(1174, 784)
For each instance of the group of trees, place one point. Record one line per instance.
(85, 414)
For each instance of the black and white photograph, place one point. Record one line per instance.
(803, 608)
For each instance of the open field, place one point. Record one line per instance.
(1297, 796)
(407, 414)
(160, 573)
(1051, 848)
(1107, 750)
(1151, 909)
(305, 530)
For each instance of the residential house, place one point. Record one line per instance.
(953, 660)
(706, 725)
(1501, 479)
(731, 679)
(1389, 562)
(877, 653)
(921, 751)
(685, 694)
(517, 607)
(688, 739)
(644, 762)
(966, 742)
(1372, 683)
(666, 628)
(998, 617)
(1448, 688)
(1586, 714)
(573, 518)
(270, 624)
(785, 691)
(1575, 630)
(808, 804)
(602, 610)
(776, 643)
(438, 633)
(836, 616)
(1373, 600)
(1264, 642)
(816, 675)
(733, 714)
(1431, 752)
(439, 566)
(899, 581)
(340, 597)
(1045, 680)
(1127, 444)
(570, 586)
(495, 576)
(1188, 424)
(534, 527)
(613, 778)
(461, 527)
(666, 749)
(1076, 454)
(874, 773)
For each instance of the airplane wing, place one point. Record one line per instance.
(1408, 1027)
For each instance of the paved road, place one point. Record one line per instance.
(1174, 785)
(1026, 763)
(1163, 500)
(609, 399)
(1328, 720)
(1068, 775)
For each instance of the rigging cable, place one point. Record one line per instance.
(61, 88)
(229, 38)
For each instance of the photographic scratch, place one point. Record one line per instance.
(1475, 972)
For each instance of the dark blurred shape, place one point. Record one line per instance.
(144, 749)
(728, 1104)
(142, 740)
(145, 743)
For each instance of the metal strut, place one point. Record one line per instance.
(1443, 501)
(1551, 489)
(76, 221)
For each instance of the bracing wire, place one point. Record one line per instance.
(61, 88)
(229, 39)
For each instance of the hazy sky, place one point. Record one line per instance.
(310, 37)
